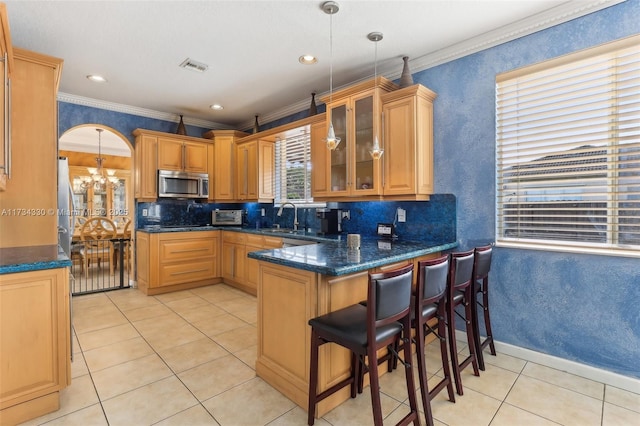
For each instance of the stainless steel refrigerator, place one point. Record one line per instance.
(66, 216)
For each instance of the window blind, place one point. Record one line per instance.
(568, 150)
(293, 169)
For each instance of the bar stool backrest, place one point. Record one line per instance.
(461, 269)
(482, 262)
(432, 279)
(390, 294)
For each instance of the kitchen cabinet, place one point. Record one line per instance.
(170, 261)
(255, 171)
(165, 151)
(349, 170)
(408, 148)
(182, 156)
(35, 340)
(30, 196)
(223, 183)
(320, 183)
(6, 65)
(238, 270)
(234, 258)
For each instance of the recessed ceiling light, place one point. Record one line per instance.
(307, 59)
(97, 78)
(217, 107)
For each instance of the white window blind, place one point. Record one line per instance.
(293, 168)
(568, 150)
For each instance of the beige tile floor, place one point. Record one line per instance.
(187, 358)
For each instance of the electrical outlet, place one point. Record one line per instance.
(145, 212)
(262, 213)
(402, 215)
(346, 214)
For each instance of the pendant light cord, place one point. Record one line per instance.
(330, 58)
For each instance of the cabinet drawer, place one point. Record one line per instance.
(234, 237)
(254, 240)
(272, 242)
(186, 249)
(186, 272)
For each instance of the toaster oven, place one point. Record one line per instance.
(226, 217)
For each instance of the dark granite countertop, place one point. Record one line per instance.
(333, 257)
(32, 258)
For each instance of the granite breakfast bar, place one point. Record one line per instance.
(298, 283)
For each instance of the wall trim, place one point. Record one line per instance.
(552, 17)
(586, 371)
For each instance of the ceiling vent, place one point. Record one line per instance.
(192, 65)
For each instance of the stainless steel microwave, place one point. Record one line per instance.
(172, 184)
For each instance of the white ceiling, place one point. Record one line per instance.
(252, 48)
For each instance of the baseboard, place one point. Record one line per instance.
(588, 372)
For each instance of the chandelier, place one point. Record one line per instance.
(100, 178)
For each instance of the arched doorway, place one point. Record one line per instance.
(92, 151)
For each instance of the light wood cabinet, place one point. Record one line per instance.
(182, 156)
(255, 171)
(6, 65)
(177, 260)
(320, 183)
(35, 340)
(239, 270)
(164, 151)
(408, 136)
(31, 193)
(355, 112)
(223, 170)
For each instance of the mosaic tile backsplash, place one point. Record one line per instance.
(426, 220)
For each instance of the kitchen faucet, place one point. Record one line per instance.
(295, 213)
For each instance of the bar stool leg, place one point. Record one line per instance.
(374, 385)
(313, 378)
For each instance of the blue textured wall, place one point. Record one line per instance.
(583, 308)
(579, 307)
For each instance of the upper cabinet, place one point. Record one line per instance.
(403, 121)
(349, 170)
(221, 173)
(6, 65)
(165, 151)
(255, 171)
(408, 143)
(182, 156)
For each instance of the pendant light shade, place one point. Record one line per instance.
(331, 8)
(376, 151)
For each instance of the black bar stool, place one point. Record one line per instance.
(364, 330)
(460, 292)
(429, 302)
(481, 267)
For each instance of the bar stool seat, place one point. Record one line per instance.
(364, 330)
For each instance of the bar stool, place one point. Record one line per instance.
(429, 303)
(364, 330)
(460, 291)
(481, 267)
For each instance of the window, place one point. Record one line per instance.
(568, 151)
(293, 167)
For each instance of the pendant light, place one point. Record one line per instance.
(376, 152)
(331, 8)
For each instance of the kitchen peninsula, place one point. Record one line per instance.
(299, 283)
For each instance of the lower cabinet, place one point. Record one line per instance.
(177, 260)
(35, 336)
(238, 269)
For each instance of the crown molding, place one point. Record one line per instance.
(142, 112)
(565, 12)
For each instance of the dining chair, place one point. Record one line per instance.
(96, 235)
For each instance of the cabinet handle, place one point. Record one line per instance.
(188, 250)
(189, 272)
(7, 116)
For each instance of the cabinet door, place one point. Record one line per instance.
(224, 188)
(266, 171)
(243, 161)
(363, 174)
(399, 155)
(228, 261)
(320, 155)
(146, 172)
(170, 154)
(211, 157)
(35, 340)
(3, 125)
(195, 157)
(339, 157)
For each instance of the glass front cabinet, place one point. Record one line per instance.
(88, 200)
(349, 170)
